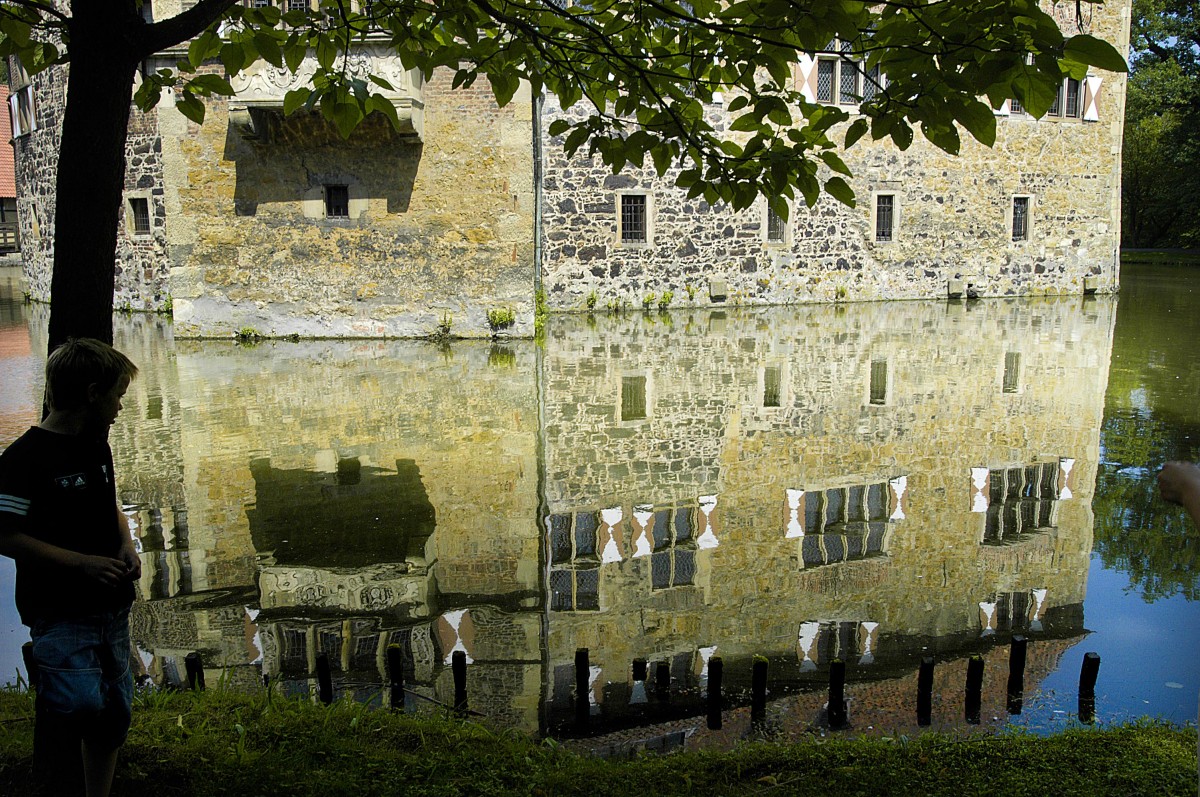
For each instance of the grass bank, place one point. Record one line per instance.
(1160, 257)
(222, 743)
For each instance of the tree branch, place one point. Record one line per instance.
(181, 27)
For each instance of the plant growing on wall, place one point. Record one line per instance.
(642, 71)
(501, 318)
(664, 301)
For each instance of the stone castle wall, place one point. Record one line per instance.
(952, 218)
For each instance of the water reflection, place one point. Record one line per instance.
(873, 483)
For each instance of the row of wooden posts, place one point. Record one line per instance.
(836, 710)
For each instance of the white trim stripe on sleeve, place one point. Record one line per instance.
(14, 504)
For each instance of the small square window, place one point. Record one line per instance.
(139, 208)
(337, 202)
(634, 219)
(1020, 218)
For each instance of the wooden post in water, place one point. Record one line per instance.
(925, 692)
(974, 688)
(715, 672)
(1087, 687)
(838, 716)
(758, 690)
(395, 669)
(583, 703)
(324, 680)
(662, 681)
(195, 671)
(458, 665)
(1016, 674)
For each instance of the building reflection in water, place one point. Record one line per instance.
(872, 483)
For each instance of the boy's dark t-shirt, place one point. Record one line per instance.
(59, 488)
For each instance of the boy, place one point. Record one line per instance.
(76, 564)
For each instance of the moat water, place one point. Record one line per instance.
(869, 483)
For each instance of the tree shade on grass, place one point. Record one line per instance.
(221, 743)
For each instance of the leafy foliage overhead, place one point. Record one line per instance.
(643, 70)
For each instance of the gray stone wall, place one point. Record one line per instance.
(953, 218)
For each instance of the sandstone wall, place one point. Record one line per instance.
(440, 229)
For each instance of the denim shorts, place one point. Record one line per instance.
(83, 674)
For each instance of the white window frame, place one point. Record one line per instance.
(786, 240)
(649, 220)
(21, 97)
(874, 230)
(1009, 214)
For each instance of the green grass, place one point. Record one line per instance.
(224, 743)
(1160, 257)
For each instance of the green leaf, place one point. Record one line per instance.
(1086, 49)
(202, 47)
(504, 86)
(190, 106)
(294, 51)
(383, 84)
(212, 84)
(268, 48)
(380, 103)
(746, 123)
(346, 115)
(902, 134)
(837, 188)
(944, 137)
(979, 120)
(834, 162)
(856, 131)
(738, 103)
(233, 57)
(327, 51)
(295, 99)
(558, 127)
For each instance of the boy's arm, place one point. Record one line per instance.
(128, 552)
(18, 545)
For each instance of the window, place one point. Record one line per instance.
(673, 563)
(776, 227)
(842, 79)
(1020, 218)
(885, 215)
(20, 103)
(1015, 106)
(772, 386)
(879, 382)
(574, 566)
(139, 213)
(844, 523)
(1012, 373)
(633, 398)
(1068, 91)
(1021, 500)
(634, 219)
(337, 202)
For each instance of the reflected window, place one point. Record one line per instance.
(844, 523)
(1021, 501)
(772, 386)
(574, 566)
(1012, 372)
(879, 382)
(633, 398)
(673, 562)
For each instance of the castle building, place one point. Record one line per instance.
(458, 222)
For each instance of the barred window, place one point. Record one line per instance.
(826, 75)
(1072, 89)
(140, 213)
(634, 220)
(775, 227)
(337, 202)
(1015, 106)
(1020, 219)
(885, 207)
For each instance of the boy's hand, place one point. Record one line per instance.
(133, 562)
(103, 569)
(1178, 481)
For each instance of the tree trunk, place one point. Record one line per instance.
(91, 170)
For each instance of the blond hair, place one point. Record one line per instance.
(79, 363)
